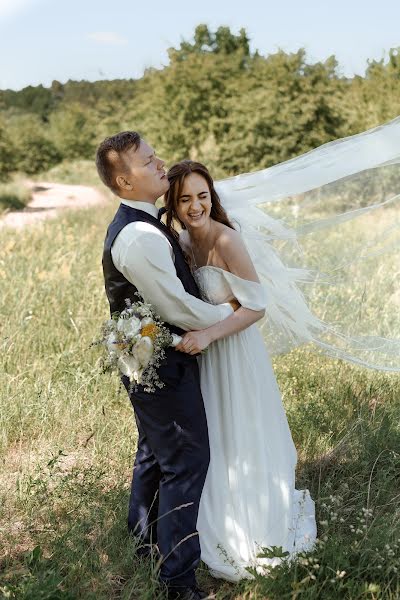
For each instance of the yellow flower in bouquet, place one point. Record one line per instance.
(151, 330)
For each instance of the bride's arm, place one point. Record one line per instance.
(232, 250)
(194, 342)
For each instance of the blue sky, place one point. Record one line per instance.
(42, 40)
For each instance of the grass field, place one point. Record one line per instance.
(13, 195)
(77, 172)
(67, 441)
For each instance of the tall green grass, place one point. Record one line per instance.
(14, 195)
(67, 440)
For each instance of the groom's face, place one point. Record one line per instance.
(144, 177)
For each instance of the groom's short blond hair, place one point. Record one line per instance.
(108, 156)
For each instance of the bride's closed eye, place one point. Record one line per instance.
(201, 197)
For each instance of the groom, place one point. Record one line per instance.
(140, 254)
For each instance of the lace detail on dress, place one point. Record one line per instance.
(212, 285)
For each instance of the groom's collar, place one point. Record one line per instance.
(151, 209)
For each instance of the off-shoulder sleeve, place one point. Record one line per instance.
(249, 294)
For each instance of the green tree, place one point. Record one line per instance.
(33, 150)
(37, 154)
(7, 154)
(290, 107)
(31, 99)
(222, 41)
(178, 106)
(73, 131)
(375, 98)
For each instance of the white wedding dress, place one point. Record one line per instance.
(249, 499)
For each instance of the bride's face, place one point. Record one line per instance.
(194, 203)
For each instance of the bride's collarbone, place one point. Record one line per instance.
(203, 257)
(211, 259)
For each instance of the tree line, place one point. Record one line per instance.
(216, 101)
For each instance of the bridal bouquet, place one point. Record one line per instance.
(135, 340)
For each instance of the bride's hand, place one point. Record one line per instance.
(194, 342)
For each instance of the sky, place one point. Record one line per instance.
(43, 40)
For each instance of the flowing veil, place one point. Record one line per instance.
(323, 231)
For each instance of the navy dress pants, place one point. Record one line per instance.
(170, 467)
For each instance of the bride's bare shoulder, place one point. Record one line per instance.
(231, 248)
(228, 239)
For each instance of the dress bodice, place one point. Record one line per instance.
(218, 286)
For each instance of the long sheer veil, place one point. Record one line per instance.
(323, 231)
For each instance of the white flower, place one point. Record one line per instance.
(129, 366)
(143, 351)
(138, 375)
(129, 327)
(146, 321)
(112, 345)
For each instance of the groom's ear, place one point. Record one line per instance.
(123, 183)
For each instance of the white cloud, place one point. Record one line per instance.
(9, 8)
(107, 37)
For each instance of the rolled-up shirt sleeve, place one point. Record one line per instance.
(144, 256)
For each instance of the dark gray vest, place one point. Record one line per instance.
(117, 286)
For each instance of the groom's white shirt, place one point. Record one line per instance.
(145, 258)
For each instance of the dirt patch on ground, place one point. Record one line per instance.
(48, 200)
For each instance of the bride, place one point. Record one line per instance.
(249, 500)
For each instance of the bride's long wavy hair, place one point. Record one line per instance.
(176, 176)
